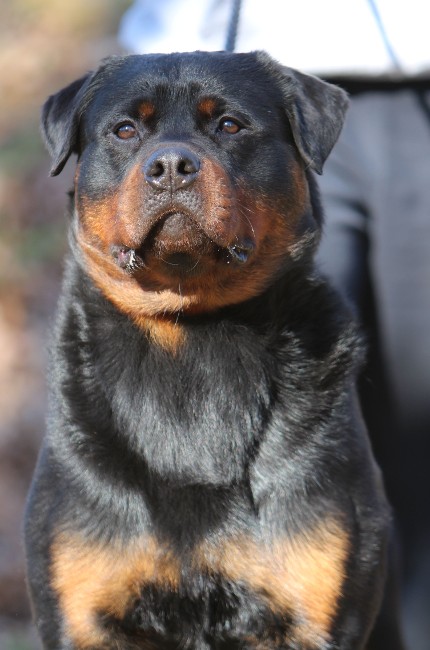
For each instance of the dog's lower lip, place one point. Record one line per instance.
(132, 258)
(126, 258)
(122, 255)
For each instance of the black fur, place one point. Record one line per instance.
(250, 429)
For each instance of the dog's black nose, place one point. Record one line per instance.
(171, 168)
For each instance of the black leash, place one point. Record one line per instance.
(233, 26)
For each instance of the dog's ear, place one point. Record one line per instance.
(60, 122)
(315, 110)
(316, 113)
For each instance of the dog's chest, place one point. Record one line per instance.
(196, 417)
(234, 593)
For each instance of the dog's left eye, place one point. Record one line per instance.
(125, 131)
(229, 126)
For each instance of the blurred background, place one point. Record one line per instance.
(44, 44)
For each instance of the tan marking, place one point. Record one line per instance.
(146, 110)
(164, 332)
(92, 577)
(303, 576)
(206, 107)
(99, 220)
(149, 296)
(142, 306)
(219, 202)
(115, 219)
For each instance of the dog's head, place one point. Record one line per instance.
(191, 188)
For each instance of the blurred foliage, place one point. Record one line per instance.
(44, 45)
(45, 42)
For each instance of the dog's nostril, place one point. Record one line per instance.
(156, 170)
(188, 166)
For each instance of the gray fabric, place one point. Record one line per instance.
(376, 194)
(377, 184)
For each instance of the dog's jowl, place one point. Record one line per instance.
(205, 481)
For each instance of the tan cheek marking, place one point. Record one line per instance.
(131, 208)
(218, 201)
(272, 233)
(303, 576)
(230, 214)
(91, 577)
(280, 228)
(99, 220)
(144, 300)
(131, 299)
(114, 220)
(117, 217)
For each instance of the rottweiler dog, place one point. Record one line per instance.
(206, 481)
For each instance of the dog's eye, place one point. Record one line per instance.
(125, 131)
(229, 126)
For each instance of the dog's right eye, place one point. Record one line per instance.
(229, 126)
(125, 131)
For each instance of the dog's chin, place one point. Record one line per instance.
(178, 246)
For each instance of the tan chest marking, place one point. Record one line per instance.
(92, 578)
(302, 576)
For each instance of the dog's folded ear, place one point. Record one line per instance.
(60, 122)
(316, 114)
(315, 110)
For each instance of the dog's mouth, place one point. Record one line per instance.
(178, 245)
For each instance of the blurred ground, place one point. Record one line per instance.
(44, 44)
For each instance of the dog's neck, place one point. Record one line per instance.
(196, 417)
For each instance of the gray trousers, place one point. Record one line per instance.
(376, 195)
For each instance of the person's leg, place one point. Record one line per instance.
(376, 191)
